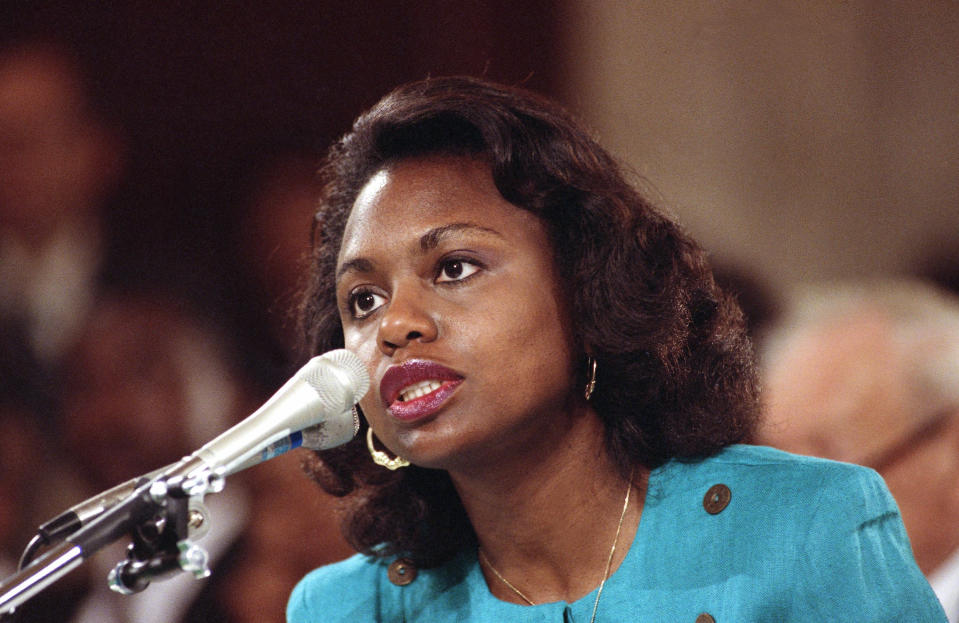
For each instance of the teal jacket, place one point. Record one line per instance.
(787, 538)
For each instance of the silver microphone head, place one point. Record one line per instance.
(347, 371)
(321, 393)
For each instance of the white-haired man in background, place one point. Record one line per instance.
(868, 373)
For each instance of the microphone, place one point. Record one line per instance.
(313, 410)
(321, 392)
(319, 396)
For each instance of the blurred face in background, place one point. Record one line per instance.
(56, 161)
(841, 393)
(124, 412)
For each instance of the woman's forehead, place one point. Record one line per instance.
(410, 198)
(428, 183)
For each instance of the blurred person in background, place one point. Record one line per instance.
(22, 408)
(18, 465)
(273, 254)
(868, 373)
(147, 383)
(59, 162)
(33, 480)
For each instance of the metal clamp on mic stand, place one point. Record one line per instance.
(161, 546)
(158, 516)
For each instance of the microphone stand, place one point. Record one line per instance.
(158, 516)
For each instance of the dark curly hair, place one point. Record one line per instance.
(676, 376)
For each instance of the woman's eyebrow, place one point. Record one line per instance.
(430, 239)
(359, 265)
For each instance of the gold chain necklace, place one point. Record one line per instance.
(609, 561)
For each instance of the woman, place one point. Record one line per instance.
(558, 388)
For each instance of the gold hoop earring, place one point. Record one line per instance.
(381, 458)
(591, 383)
(356, 420)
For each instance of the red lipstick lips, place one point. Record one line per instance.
(423, 398)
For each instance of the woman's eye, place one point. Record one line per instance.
(456, 270)
(364, 303)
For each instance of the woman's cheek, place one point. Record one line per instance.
(364, 346)
(361, 341)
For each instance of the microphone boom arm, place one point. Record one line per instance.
(157, 511)
(156, 514)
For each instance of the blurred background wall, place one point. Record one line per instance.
(806, 140)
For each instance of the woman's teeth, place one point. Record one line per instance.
(416, 390)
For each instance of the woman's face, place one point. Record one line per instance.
(450, 296)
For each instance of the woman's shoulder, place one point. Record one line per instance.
(367, 588)
(763, 484)
(768, 469)
(817, 539)
(342, 591)
(358, 568)
(765, 457)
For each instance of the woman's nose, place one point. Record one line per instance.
(407, 319)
